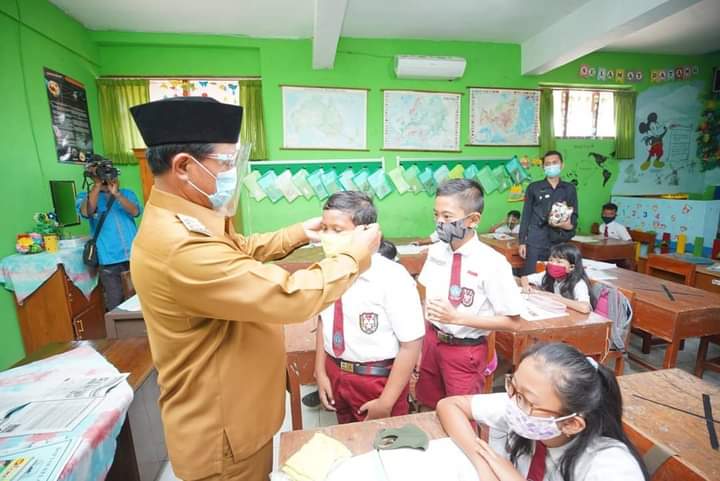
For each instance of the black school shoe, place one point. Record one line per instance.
(312, 400)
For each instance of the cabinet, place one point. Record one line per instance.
(59, 312)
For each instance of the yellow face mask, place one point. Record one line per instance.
(334, 243)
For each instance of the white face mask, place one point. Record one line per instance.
(335, 242)
(532, 427)
(225, 187)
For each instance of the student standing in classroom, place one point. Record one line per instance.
(610, 228)
(560, 419)
(214, 308)
(537, 232)
(511, 225)
(565, 277)
(470, 290)
(369, 341)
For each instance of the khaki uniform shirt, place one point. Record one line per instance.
(214, 315)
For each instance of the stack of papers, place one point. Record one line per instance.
(409, 250)
(585, 238)
(598, 265)
(40, 461)
(132, 304)
(539, 307)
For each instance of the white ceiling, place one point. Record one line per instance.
(692, 31)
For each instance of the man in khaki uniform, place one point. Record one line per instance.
(214, 311)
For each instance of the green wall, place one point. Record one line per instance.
(35, 34)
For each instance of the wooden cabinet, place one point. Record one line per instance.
(59, 312)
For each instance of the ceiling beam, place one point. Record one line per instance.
(593, 26)
(329, 16)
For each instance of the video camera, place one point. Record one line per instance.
(100, 168)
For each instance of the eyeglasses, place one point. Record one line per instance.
(227, 159)
(525, 406)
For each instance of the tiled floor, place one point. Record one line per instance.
(313, 418)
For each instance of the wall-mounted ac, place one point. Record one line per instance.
(429, 68)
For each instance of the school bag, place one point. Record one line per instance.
(613, 304)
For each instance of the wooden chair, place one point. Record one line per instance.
(127, 285)
(643, 238)
(619, 356)
(702, 363)
(675, 270)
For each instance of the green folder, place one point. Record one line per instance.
(441, 174)
(251, 184)
(427, 179)
(411, 176)
(301, 182)
(315, 181)
(397, 175)
(380, 184)
(268, 183)
(487, 180)
(502, 178)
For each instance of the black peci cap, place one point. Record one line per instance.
(187, 120)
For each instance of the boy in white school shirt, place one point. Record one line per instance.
(470, 290)
(610, 228)
(369, 341)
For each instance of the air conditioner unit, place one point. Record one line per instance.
(429, 68)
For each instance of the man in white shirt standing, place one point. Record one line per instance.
(610, 228)
(470, 290)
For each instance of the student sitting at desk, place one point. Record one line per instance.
(559, 420)
(470, 290)
(610, 228)
(564, 276)
(369, 341)
(511, 225)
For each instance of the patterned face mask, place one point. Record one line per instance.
(532, 427)
(450, 231)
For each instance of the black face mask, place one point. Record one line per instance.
(607, 220)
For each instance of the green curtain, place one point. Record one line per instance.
(253, 125)
(547, 130)
(120, 135)
(625, 124)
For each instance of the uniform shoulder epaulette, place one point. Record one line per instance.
(193, 225)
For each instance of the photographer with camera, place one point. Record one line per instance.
(111, 212)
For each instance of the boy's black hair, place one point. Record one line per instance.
(592, 393)
(553, 152)
(159, 156)
(572, 254)
(358, 205)
(387, 249)
(514, 213)
(610, 206)
(468, 192)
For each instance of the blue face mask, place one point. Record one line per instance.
(225, 186)
(553, 170)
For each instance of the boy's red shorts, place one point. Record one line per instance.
(351, 391)
(449, 370)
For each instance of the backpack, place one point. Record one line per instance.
(619, 312)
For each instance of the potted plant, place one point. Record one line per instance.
(48, 226)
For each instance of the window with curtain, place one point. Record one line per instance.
(579, 113)
(120, 135)
(244, 92)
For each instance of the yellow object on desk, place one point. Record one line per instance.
(315, 459)
(51, 242)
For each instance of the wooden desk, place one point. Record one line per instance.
(358, 437)
(587, 332)
(141, 452)
(707, 280)
(508, 248)
(300, 348)
(648, 424)
(693, 313)
(120, 324)
(306, 256)
(608, 250)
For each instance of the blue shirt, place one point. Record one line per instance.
(118, 231)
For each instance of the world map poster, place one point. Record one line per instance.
(324, 118)
(504, 117)
(427, 121)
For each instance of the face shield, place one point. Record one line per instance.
(237, 163)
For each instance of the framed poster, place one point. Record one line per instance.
(418, 120)
(501, 117)
(322, 118)
(69, 117)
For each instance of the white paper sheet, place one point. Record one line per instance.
(498, 236)
(539, 307)
(598, 265)
(131, 305)
(47, 417)
(585, 238)
(409, 249)
(48, 458)
(599, 275)
(442, 461)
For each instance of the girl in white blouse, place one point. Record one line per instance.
(560, 420)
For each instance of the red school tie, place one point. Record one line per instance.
(455, 290)
(537, 465)
(606, 231)
(338, 336)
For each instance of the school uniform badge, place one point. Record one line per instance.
(467, 296)
(369, 322)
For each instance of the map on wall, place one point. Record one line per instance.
(421, 120)
(666, 119)
(324, 118)
(504, 116)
